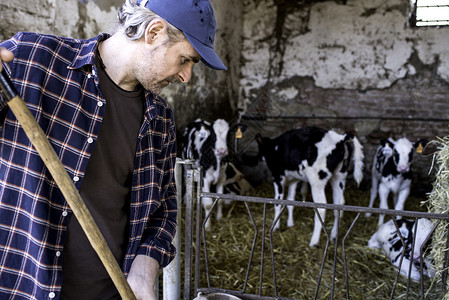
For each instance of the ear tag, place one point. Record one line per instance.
(239, 133)
(202, 133)
(419, 149)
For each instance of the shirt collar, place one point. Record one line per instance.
(86, 52)
(86, 56)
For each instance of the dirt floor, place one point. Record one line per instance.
(297, 266)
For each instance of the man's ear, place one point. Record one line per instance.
(155, 30)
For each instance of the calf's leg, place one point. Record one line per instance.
(291, 197)
(402, 195)
(207, 203)
(383, 197)
(278, 194)
(318, 196)
(338, 182)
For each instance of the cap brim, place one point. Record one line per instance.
(208, 55)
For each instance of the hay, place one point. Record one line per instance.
(371, 275)
(438, 202)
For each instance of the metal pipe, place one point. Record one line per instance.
(172, 273)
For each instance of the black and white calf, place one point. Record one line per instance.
(391, 172)
(388, 238)
(316, 156)
(206, 144)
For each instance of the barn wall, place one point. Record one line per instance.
(79, 19)
(356, 65)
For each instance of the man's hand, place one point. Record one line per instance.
(142, 276)
(5, 56)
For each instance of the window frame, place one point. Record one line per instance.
(413, 16)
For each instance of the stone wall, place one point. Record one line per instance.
(72, 18)
(352, 65)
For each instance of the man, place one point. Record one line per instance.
(97, 102)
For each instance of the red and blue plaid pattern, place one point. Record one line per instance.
(57, 79)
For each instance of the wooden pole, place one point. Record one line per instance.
(65, 184)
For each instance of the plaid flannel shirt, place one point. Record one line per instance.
(57, 79)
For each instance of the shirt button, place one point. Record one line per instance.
(90, 140)
(58, 253)
(100, 104)
(64, 213)
(51, 295)
(76, 179)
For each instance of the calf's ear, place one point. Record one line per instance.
(259, 139)
(420, 144)
(383, 142)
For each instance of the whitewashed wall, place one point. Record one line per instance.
(363, 44)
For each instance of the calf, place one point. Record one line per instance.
(391, 172)
(388, 238)
(316, 156)
(206, 144)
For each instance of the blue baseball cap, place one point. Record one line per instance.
(196, 19)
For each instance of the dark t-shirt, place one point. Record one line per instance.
(105, 190)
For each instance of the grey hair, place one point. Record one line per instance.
(134, 19)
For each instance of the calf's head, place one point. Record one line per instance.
(402, 151)
(221, 128)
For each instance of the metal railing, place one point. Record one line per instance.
(196, 241)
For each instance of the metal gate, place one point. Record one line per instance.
(195, 246)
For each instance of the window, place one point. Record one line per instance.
(429, 13)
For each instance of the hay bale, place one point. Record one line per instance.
(438, 202)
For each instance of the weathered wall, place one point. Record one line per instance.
(79, 19)
(356, 65)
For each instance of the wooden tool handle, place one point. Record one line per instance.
(65, 184)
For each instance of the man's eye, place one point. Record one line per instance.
(185, 61)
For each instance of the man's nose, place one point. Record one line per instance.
(186, 74)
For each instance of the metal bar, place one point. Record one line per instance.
(320, 275)
(344, 254)
(240, 295)
(334, 268)
(411, 258)
(431, 6)
(400, 261)
(421, 250)
(270, 235)
(252, 248)
(446, 264)
(199, 179)
(351, 208)
(205, 241)
(263, 248)
(172, 273)
(188, 232)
